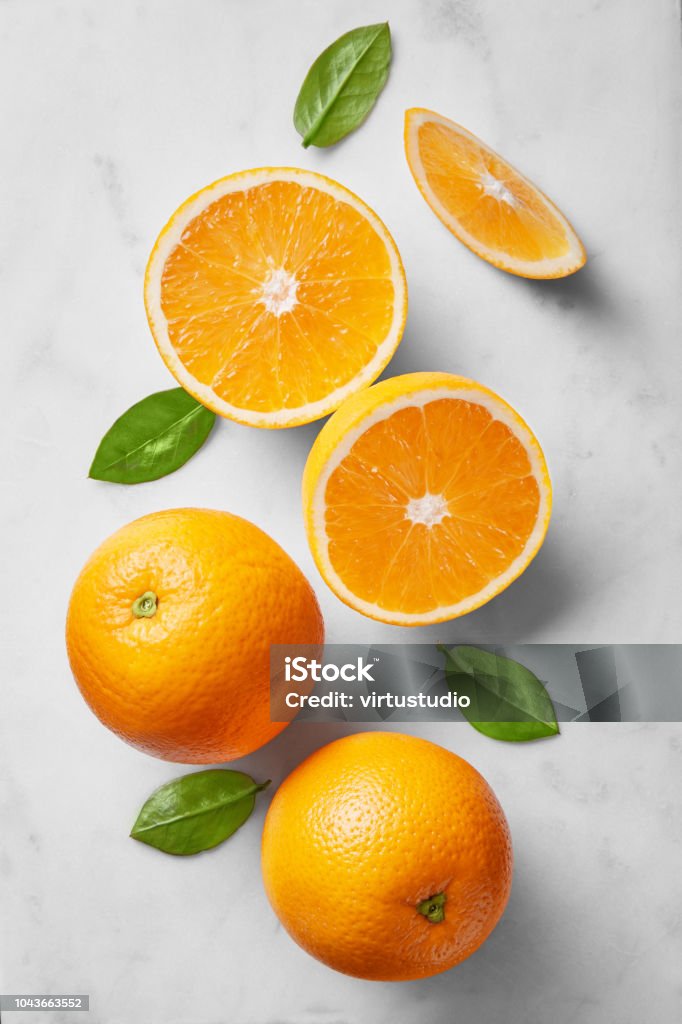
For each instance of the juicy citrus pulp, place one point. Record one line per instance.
(424, 496)
(273, 294)
(387, 857)
(486, 203)
(169, 630)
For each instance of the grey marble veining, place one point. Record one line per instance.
(113, 114)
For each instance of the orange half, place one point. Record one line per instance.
(487, 204)
(424, 497)
(274, 294)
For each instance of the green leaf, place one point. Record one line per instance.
(508, 702)
(342, 85)
(152, 439)
(197, 811)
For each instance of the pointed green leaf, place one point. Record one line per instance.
(152, 439)
(343, 85)
(197, 811)
(507, 701)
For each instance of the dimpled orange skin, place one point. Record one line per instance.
(191, 683)
(366, 829)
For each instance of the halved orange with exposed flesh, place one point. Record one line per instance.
(274, 294)
(424, 496)
(487, 204)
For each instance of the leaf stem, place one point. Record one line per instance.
(144, 607)
(433, 909)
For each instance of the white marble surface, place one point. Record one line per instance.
(113, 113)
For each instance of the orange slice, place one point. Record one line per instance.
(274, 294)
(486, 203)
(424, 496)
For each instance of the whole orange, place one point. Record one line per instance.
(387, 857)
(169, 630)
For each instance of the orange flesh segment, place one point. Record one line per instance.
(457, 170)
(449, 448)
(219, 324)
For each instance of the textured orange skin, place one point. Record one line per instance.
(363, 831)
(190, 684)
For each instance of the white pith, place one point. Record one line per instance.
(557, 267)
(497, 189)
(429, 510)
(279, 291)
(500, 412)
(169, 239)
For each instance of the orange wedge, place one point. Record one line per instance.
(424, 496)
(274, 294)
(486, 203)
